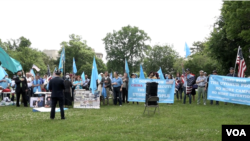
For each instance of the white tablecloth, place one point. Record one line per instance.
(42, 93)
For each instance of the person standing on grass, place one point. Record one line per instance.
(125, 88)
(106, 83)
(179, 86)
(211, 101)
(67, 92)
(56, 85)
(21, 88)
(117, 88)
(187, 86)
(201, 82)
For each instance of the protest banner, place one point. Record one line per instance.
(229, 89)
(137, 90)
(85, 99)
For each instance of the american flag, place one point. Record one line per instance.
(35, 67)
(241, 64)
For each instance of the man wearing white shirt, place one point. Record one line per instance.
(29, 82)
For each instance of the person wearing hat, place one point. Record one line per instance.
(56, 86)
(201, 82)
(206, 87)
(231, 72)
(67, 92)
(21, 88)
(187, 86)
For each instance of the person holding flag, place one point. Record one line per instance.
(187, 86)
(125, 80)
(179, 83)
(106, 86)
(21, 88)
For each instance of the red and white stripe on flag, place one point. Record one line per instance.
(189, 89)
(241, 64)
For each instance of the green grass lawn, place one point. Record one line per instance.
(127, 123)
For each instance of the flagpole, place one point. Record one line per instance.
(236, 60)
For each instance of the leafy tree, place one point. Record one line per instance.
(199, 62)
(128, 43)
(198, 47)
(78, 48)
(160, 56)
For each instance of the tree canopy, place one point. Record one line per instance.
(128, 43)
(78, 48)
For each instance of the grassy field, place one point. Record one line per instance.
(175, 122)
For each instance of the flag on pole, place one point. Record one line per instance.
(74, 66)
(32, 72)
(160, 73)
(187, 50)
(126, 67)
(35, 67)
(141, 73)
(83, 76)
(62, 60)
(241, 63)
(48, 71)
(94, 77)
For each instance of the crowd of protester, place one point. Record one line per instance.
(116, 87)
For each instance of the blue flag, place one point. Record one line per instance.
(94, 77)
(32, 72)
(141, 73)
(74, 66)
(62, 60)
(126, 67)
(111, 75)
(83, 76)
(187, 50)
(160, 74)
(2, 74)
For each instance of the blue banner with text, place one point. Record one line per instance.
(229, 89)
(137, 90)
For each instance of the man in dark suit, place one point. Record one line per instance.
(56, 85)
(21, 88)
(107, 84)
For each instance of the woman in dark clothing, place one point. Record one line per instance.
(67, 91)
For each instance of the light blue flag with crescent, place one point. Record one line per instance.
(187, 50)
(83, 76)
(160, 74)
(62, 60)
(94, 77)
(141, 73)
(74, 66)
(126, 67)
(111, 75)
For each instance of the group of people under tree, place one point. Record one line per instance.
(116, 87)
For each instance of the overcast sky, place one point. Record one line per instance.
(49, 22)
